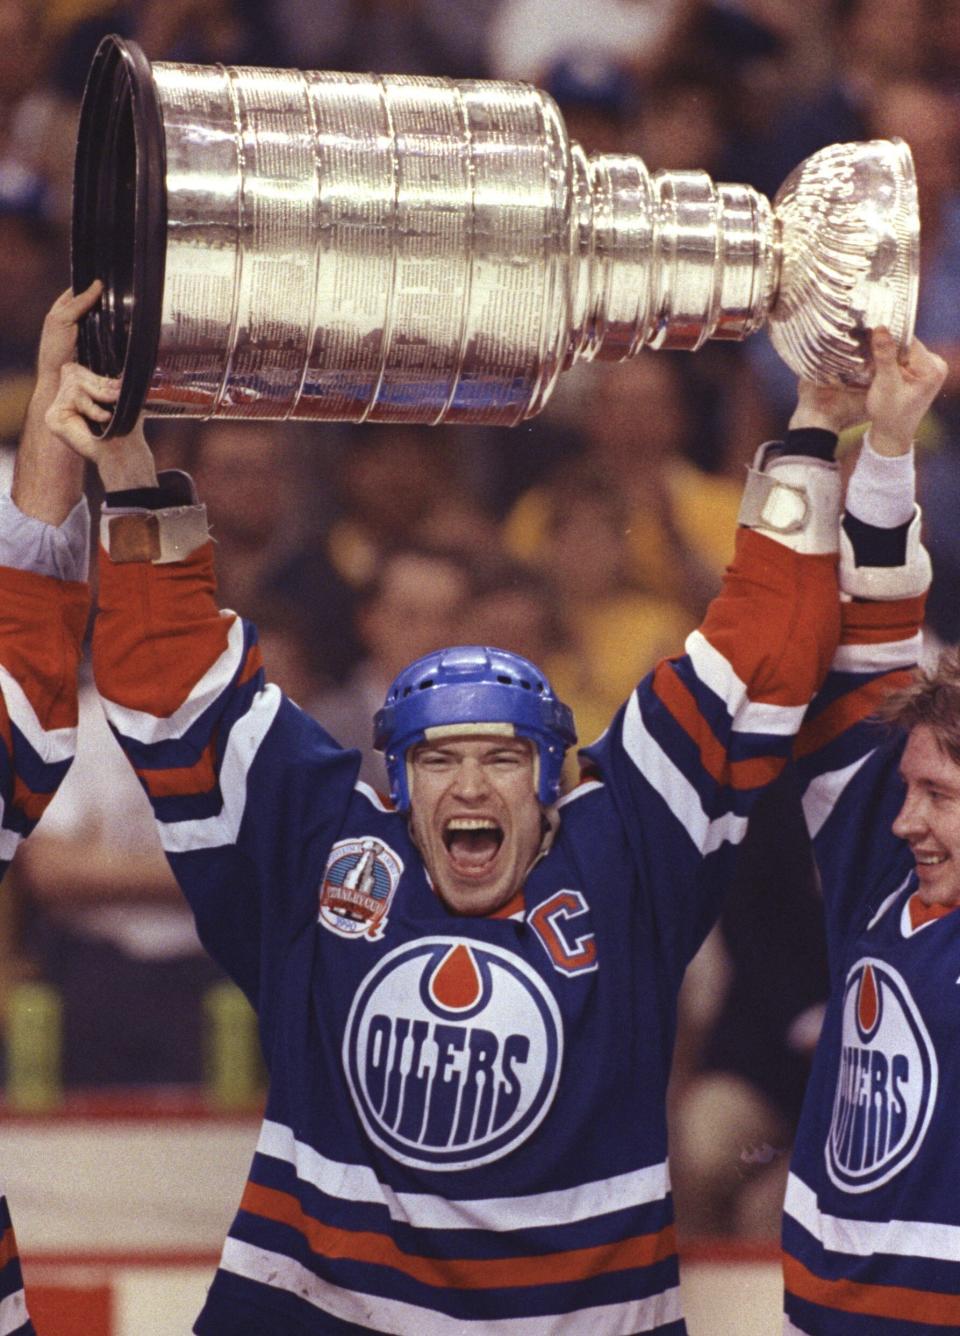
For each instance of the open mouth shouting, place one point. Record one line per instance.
(472, 844)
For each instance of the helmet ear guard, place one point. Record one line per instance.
(471, 688)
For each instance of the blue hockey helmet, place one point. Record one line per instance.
(473, 684)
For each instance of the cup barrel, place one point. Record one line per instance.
(352, 247)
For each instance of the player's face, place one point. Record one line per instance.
(475, 818)
(929, 819)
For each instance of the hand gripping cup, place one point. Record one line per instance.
(353, 247)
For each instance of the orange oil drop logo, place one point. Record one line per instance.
(456, 985)
(868, 1005)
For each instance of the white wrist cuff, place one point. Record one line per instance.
(882, 488)
(794, 499)
(883, 583)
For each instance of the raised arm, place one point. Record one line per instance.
(43, 611)
(705, 733)
(44, 538)
(847, 762)
(224, 759)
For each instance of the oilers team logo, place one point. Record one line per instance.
(452, 1053)
(887, 1082)
(358, 886)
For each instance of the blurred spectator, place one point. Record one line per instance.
(31, 266)
(615, 628)
(431, 37)
(36, 123)
(596, 96)
(389, 481)
(515, 607)
(528, 37)
(678, 521)
(264, 514)
(201, 32)
(733, 1121)
(871, 43)
(414, 605)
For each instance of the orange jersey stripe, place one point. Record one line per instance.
(846, 711)
(189, 780)
(32, 805)
(458, 1273)
(679, 700)
(8, 1247)
(251, 665)
(878, 623)
(893, 1301)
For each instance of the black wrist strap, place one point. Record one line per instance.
(873, 546)
(815, 441)
(174, 488)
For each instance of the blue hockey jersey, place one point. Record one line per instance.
(872, 1214)
(41, 630)
(465, 1125)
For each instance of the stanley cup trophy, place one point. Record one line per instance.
(362, 248)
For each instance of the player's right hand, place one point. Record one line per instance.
(82, 395)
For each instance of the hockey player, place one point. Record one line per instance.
(44, 545)
(872, 1212)
(466, 992)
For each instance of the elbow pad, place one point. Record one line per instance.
(884, 583)
(794, 499)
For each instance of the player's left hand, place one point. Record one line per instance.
(123, 461)
(901, 392)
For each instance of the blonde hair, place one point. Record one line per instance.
(933, 700)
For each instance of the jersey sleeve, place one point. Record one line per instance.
(232, 768)
(848, 762)
(42, 621)
(705, 733)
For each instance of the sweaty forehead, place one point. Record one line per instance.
(926, 760)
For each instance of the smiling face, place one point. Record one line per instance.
(475, 817)
(929, 819)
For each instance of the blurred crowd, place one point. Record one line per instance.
(590, 539)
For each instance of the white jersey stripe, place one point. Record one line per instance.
(371, 795)
(824, 793)
(13, 1312)
(581, 791)
(9, 842)
(357, 1182)
(861, 1238)
(666, 777)
(50, 744)
(882, 658)
(397, 1316)
(749, 716)
(245, 738)
(150, 728)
